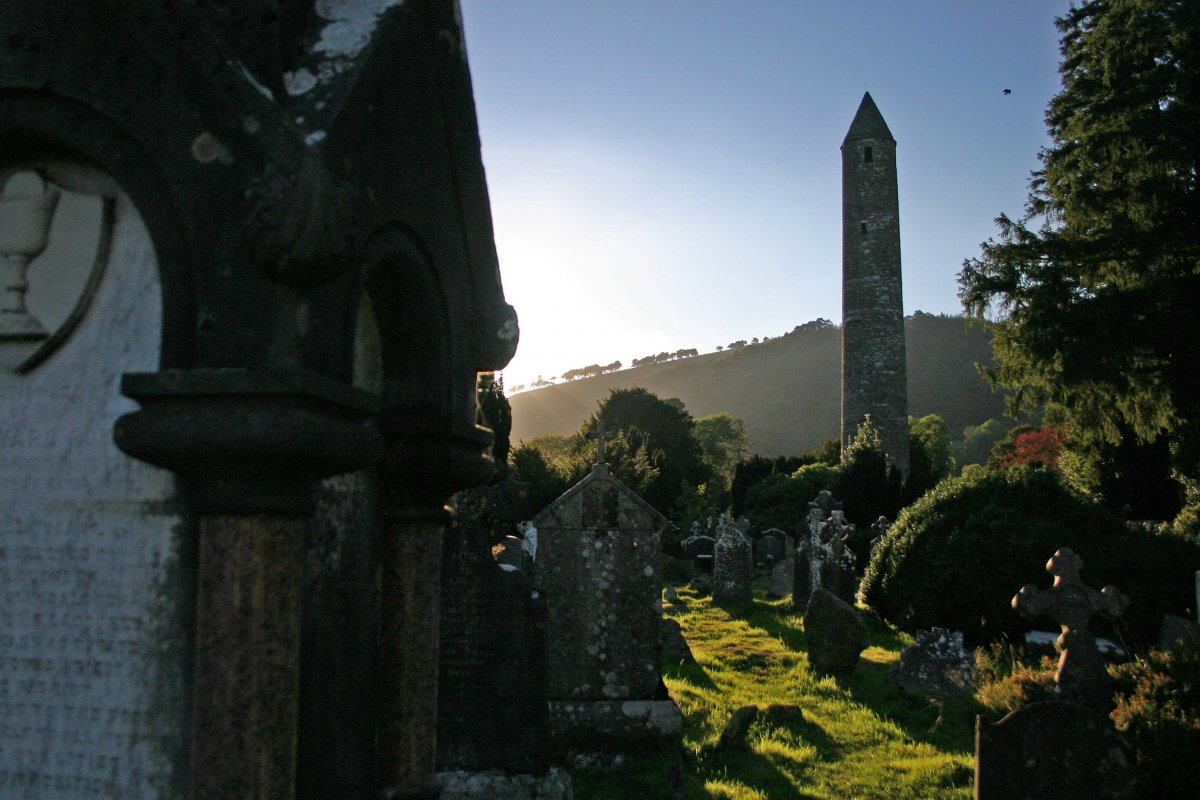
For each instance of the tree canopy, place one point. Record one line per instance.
(1094, 289)
(664, 431)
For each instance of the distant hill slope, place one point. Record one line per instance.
(787, 390)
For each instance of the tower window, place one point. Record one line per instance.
(862, 226)
(868, 154)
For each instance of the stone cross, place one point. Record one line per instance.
(598, 436)
(1081, 676)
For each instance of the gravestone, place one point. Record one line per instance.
(783, 578)
(733, 566)
(823, 560)
(1066, 747)
(511, 553)
(1178, 634)
(769, 547)
(835, 633)
(492, 711)
(699, 547)
(244, 248)
(936, 664)
(1081, 677)
(598, 569)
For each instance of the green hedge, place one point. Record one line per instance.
(956, 557)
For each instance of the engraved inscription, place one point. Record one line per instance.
(91, 666)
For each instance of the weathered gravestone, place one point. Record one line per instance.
(769, 547)
(782, 578)
(733, 565)
(835, 633)
(598, 551)
(492, 711)
(699, 548)
(266, 225)
(1066, 747)
(936, 664)
(823, 560)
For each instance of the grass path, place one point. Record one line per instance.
(858, 740)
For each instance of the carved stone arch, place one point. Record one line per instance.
(40, 129)
(405, 294)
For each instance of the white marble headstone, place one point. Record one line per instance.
(93, 620)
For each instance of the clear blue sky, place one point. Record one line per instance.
(666, 174)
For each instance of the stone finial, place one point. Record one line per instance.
(1081, 676)
(598, 435)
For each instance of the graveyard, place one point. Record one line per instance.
(266, 531)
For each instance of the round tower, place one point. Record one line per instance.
(874, 375)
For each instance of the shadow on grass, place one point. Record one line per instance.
(769, 617)
(945, 723)
(752, 769)
(691, 672)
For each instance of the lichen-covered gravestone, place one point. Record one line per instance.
(733, 565)
(598, 556)
(936, 664)
(822, 559)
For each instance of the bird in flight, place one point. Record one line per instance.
(1008, 91)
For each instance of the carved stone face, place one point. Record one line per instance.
(56, 224)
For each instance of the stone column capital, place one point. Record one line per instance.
(249, 441)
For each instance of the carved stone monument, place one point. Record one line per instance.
(598, 557)
(244, 248)
(1066, 747)
(733, 565)
(1081, 677)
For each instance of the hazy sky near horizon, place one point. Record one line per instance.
(666, 174)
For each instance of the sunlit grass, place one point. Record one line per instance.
(857, 740)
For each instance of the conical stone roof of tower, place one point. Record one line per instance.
(868, 122)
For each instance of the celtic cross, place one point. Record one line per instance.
(1081, 675)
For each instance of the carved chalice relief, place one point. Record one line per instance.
(56, 227)
(26, 210)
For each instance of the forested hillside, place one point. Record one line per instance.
(786, 389)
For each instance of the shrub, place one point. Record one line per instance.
(1158, 699)
(956, 557)
(1187, 524)
(1007, 678)
(779, 501)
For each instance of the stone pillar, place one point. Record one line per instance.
(246, 662)
(249, 448)
(428, 459)
(408, 649)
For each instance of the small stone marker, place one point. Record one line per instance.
(782, 578)
(836, 634)
(734, 733)
(770, 548)
(733, 566)
(937, 664)
(674, 647)
(1081, 676)
(1178, 634)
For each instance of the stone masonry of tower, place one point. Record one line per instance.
(874, 375)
